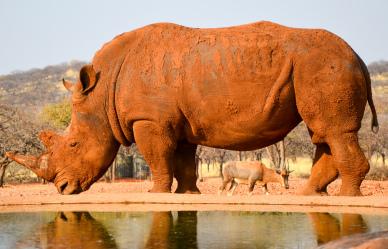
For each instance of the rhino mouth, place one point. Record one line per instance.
(69, 187)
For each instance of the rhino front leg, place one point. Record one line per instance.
(185, 169)
(157, 146)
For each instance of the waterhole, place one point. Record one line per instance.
(181, 229)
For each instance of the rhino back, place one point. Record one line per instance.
(204, 81)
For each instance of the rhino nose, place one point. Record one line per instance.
(67, 188)
(62, 187)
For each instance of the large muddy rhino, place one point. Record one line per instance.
(169, 88)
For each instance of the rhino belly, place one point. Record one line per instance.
(245, 130)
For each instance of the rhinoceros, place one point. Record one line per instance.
(169, 88)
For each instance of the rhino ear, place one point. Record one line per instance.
(68, 85)
(88, 78)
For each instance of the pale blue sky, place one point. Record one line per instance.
(37, 33)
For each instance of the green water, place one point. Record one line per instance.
(182, 229)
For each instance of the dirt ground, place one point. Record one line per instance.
(208, 186)
(131, 195)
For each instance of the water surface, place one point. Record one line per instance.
(181, 229)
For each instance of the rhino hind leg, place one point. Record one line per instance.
(331, 96)
(344, 158)
(185, 169)
(351, 162)
(157, 146)
(323, 172)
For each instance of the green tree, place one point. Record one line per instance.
(58, 114)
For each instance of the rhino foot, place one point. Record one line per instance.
(159, 190)
(194, 190)
(312, 192)
(350, 192)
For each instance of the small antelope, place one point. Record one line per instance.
(249, 173)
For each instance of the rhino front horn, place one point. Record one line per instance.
(30, 162)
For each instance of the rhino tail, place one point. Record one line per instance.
(375, 122)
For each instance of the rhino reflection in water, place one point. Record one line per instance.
(72, 230)
(165, 234)
(328, 228)
(352, 233)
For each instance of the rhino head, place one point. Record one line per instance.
(73, 161)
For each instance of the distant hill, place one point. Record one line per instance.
(378, 67)
(31, 90)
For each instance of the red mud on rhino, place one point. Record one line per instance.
(168, 88)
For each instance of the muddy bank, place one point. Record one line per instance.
(208, 186)
(117, 196)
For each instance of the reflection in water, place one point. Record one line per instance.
(165, 234)
(160, 230)
(328, 228)
(374, 240)
(71, 230)
(185, 230)
(208, 229)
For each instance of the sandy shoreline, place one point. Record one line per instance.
(133, 196)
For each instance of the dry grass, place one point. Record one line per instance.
(378, 173)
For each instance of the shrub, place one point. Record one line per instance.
(378, 173)
(58, 114)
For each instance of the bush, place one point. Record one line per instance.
(58, 114)
(18, 174)
(378, 173)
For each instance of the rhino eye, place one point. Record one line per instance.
(73, 144)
